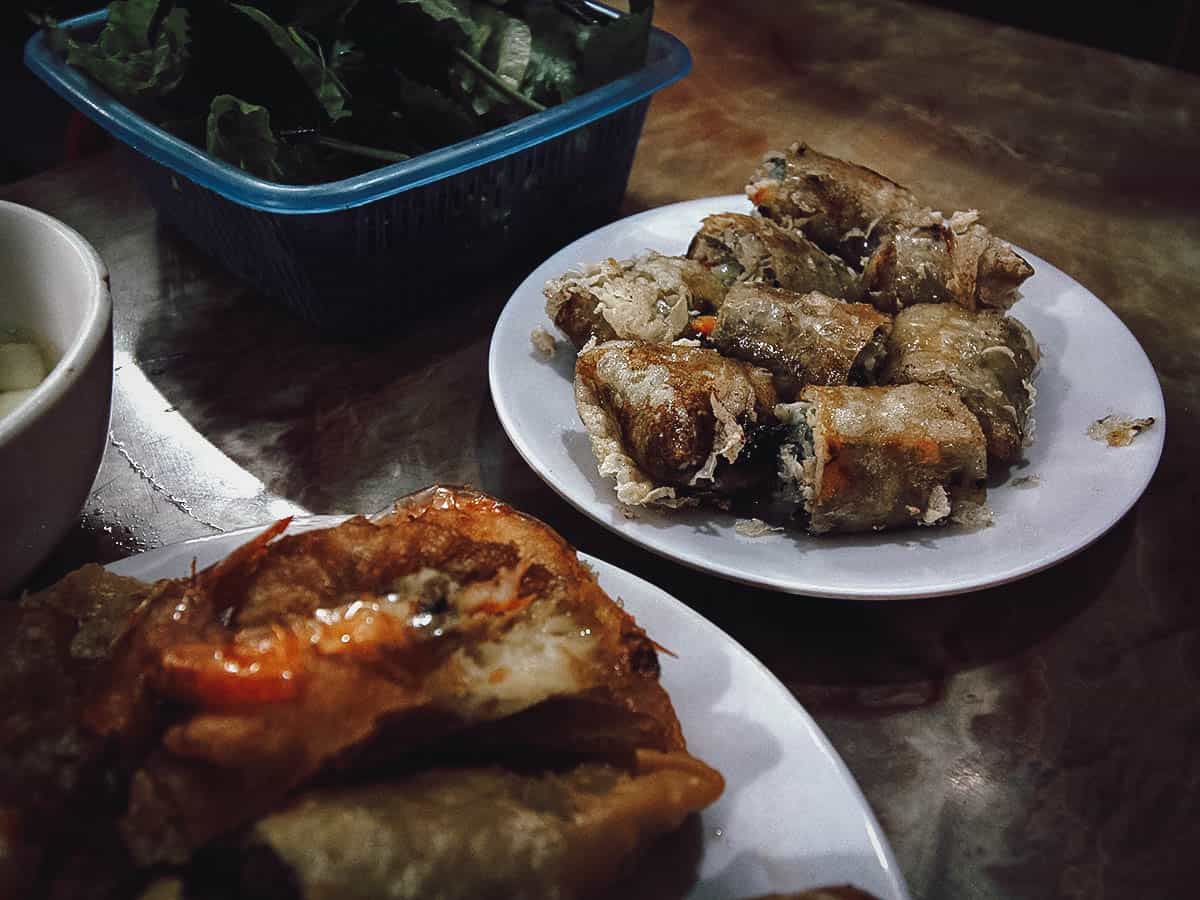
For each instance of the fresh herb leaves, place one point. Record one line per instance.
(309, 62)
(305, 91)
(141, 52)
(240, 133)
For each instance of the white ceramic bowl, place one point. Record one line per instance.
(54, 287)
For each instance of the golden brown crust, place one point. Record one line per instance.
(988, 357)
(801, 338)
(828, 197)
(478, 832)
(662, 417)
(646, 299)
(907, 252)
(990, 271)
(755, 250)
(914, 265)
(279, 596)
(451, 624)
(931, 261)
(575, 310)
(887, 457)
(623, 670)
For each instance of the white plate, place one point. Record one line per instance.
(791, 816)
(1091, 366)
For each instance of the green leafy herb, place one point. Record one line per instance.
(492, 85)
(240, 133)
(501, 61)
(310, 65)
(142, 51)
(314, 90)
(514, 46)
(553, 73)
(430, 117)
(614, 48)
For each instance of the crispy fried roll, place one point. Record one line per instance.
(802, 338)
(151, 723)
(739, 248)
(868, 458)
(930, 260)
(988, 357)
(460, 834)
(908, 253)
(671, 421)
(834, 202)
(650, 298)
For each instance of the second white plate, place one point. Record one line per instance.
(791, 816)
(1091, 366)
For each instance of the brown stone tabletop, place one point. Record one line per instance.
(1040, 739)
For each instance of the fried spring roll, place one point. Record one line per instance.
(863, 459)
(834, 202)
(740, 248)
(460, 834)
(988, 357)
(908, 253)
(802, 338)
(943, 261)
(671, 422)
(650, 298)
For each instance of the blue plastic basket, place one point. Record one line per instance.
(359, 254)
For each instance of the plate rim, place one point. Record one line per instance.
(884, 854)
(794, 587)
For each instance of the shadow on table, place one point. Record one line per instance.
(330, 424)
(894, 655)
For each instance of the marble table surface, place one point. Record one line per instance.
(1034, 740)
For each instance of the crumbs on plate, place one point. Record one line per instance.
(1117, 431)
(973, 516)
(753, 528)
(543, 342)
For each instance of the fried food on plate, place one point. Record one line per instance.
(473, 832)
(868, 458)
(907, 253)
(673, 423)
(988, 357)
(453, 641)
(651, 298)
(738, 248)
(802, 339)
(894, 372)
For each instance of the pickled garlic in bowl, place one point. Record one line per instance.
(22, 368)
